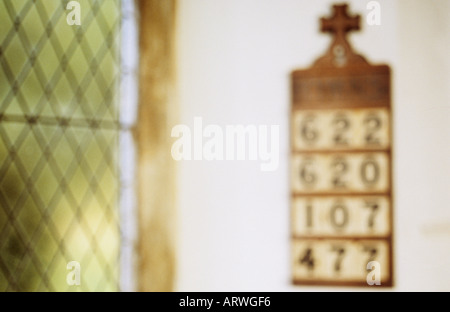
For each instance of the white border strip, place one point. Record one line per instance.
(129, 52)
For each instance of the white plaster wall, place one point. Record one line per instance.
(422, 136)
(234, 61)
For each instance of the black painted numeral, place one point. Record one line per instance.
(373, 124)
(340, 169)
(370, 172)
(307, 174)
(339, 216)
(307, 259)
(372, 251)
(340, 255)
(309, 218)
(308, 131)
(341, 125)
(374, 207)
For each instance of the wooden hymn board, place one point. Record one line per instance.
(341, 167)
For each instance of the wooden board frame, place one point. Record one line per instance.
(351, 85)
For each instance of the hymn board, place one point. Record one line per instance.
(341, 165)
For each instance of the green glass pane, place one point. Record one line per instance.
(59, 184)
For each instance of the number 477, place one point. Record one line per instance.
(308, 259)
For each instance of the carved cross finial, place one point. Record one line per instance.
(340, 23)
